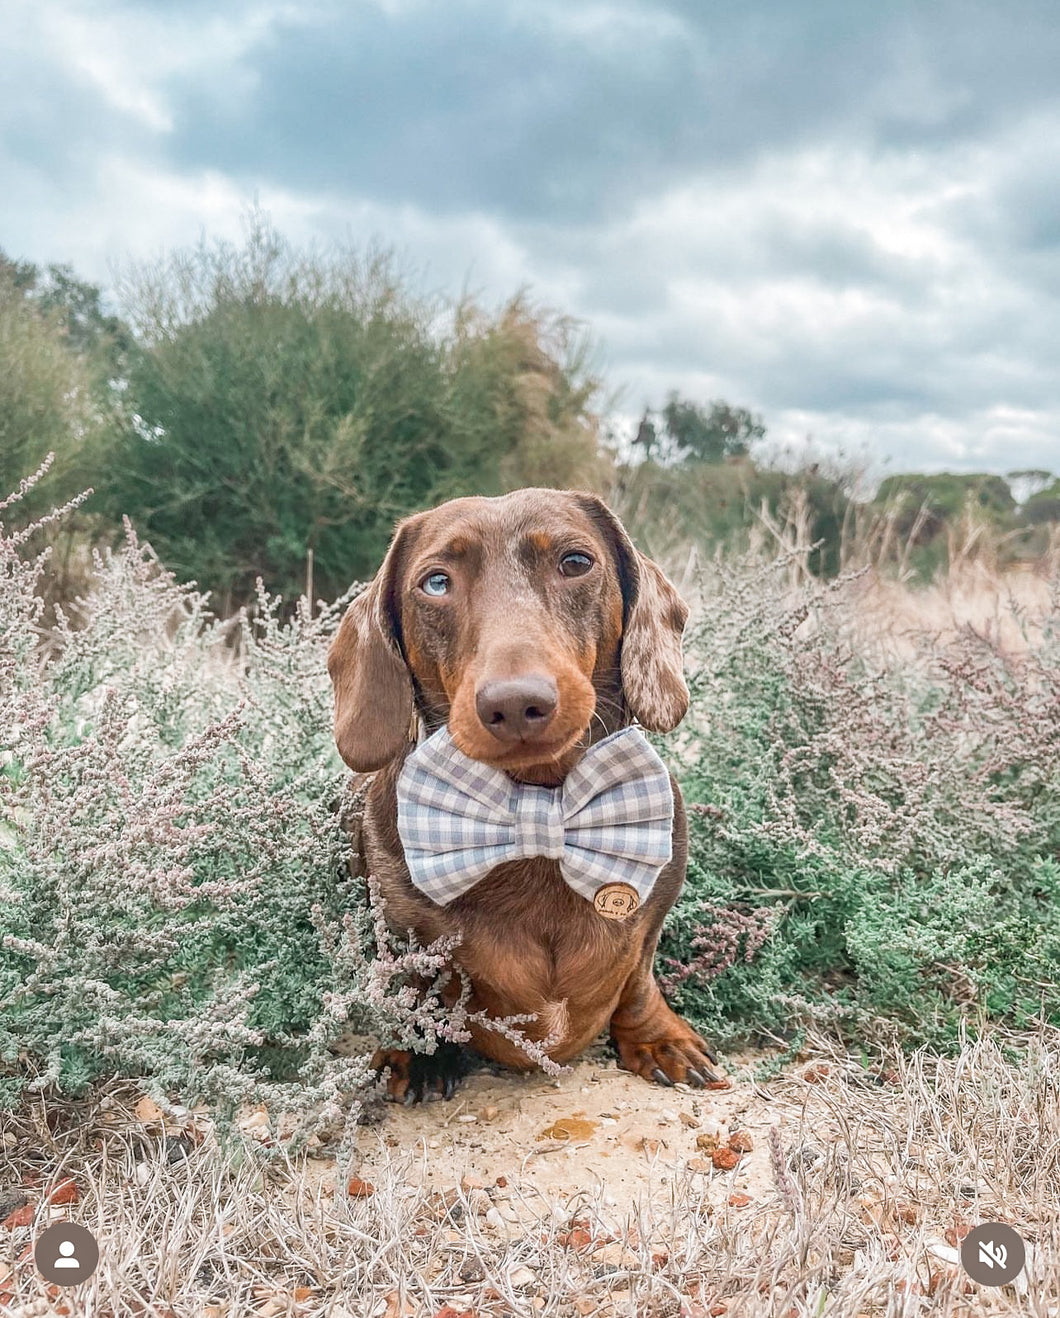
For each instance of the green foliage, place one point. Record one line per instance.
(264, 404)
(280, 403)
(687, 432)
(727, 505)
(170, 853)
(929, 504)
(51, 399)
(1042, 506)
(892, 824)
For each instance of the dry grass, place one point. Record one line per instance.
(874, 1175)
(1007, 609)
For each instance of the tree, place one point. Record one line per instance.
(48, 396)
(709, 434)
(281, 402)
(103, 339)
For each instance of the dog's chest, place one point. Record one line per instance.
(532, 945)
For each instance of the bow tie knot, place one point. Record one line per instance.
(609, 824)
(539, 825)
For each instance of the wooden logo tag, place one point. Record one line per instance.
(616, 901)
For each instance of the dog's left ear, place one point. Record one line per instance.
(654, 616)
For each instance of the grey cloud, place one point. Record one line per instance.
(478, 106)
(553, 141)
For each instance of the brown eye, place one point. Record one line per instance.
(575, 565)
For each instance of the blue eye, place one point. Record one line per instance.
(436, 584)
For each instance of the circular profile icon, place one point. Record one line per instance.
(993, 1254)
(66, 1254)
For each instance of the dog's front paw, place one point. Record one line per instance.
(417, 1077)
(678, 1057)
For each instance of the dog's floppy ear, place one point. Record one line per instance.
(373, 689)
(654, 616)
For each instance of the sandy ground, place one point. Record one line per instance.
(597, 1129)
(841, 1186)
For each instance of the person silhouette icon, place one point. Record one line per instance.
(66, 1254)
(67, 1259)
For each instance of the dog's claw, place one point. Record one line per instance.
(661, 1078)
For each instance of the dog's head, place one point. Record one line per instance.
(518, 620)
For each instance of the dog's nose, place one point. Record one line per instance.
(518, 708)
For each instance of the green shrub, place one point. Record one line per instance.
(1042, 507)
(725, 505)
(932, 519)
(169, 848)
(280, 403)
(48, 399)
(893, 823)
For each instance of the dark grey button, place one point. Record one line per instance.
(993, 1254)
(66, 1254)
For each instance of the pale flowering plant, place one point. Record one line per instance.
(176, 898)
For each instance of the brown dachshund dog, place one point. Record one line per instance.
(532, 626)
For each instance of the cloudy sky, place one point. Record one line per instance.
(843, 214)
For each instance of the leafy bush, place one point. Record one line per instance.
(169, 855)
(943, 496)
(281, 402)
(1042, 506)
(176, 899)
(48, 396)
(726, 506)
(878, 829)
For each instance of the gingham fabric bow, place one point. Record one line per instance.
(609, 822)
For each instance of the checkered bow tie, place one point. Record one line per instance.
(610, 822)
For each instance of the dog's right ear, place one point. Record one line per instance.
(373, 689)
